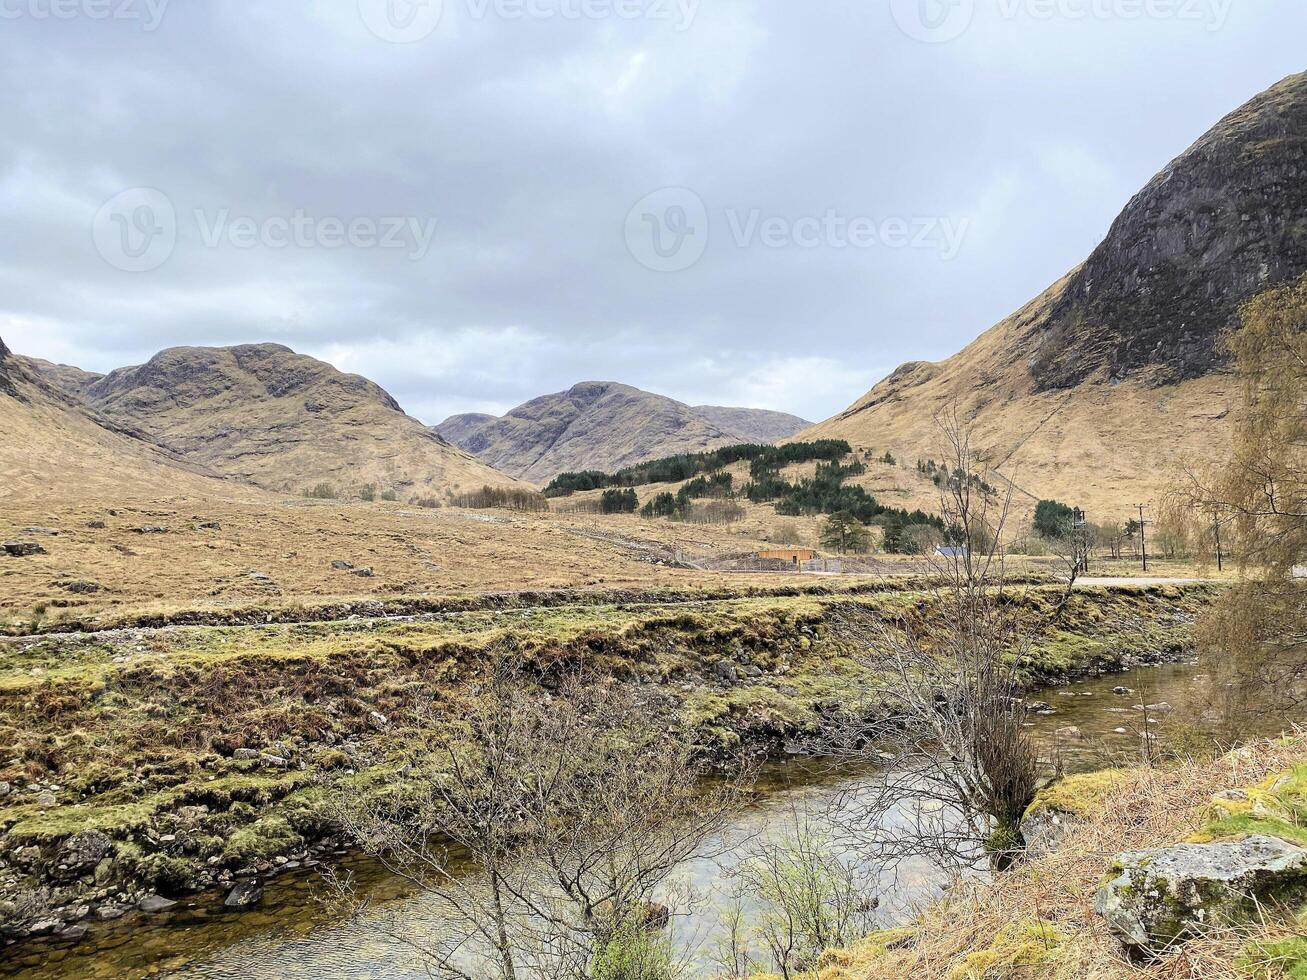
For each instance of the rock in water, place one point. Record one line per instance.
(1165, 894)
(155, 903)
(245, 895)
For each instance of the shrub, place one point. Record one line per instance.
(389, 495)
(321, 491)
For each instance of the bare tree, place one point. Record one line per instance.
(806, 899)
(949, 670)
(542, 827)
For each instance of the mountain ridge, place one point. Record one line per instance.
(1099, 389)
(606, 425)
(264, 414)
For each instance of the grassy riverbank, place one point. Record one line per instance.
(166, 760)
(1038, 920)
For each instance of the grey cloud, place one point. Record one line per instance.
(530, 140)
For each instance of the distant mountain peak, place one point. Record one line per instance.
(606, 425)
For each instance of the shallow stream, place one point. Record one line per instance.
(291, 936)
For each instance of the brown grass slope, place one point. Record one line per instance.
(53, 448)
(599, 425)
(1095, 391)
(284, 421)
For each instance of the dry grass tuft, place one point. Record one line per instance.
(969, 933)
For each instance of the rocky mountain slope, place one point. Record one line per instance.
(52, 447)
(1099, 389)
(264, 414)
(605, 426)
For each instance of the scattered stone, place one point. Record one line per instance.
(82, 588)
(96, 525)
(5, 789)
(1121, 731)
(209, 526)
(262, 577)
(378, 721)
(107, 912)
(362, 572)
(245, 895)
(249, 754)
(340, 565)
(1070, 732)
(1233, 795)
(276, 761)
(45, 798)
(1166, 894)
(47, 531)
(22, 549)
(1039, 706)
(46, 926)
(151, 529)
(74, 933)
(155, 903)
(1122, 691)
(726, 671)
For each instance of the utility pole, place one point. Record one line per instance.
(1216, 525)
(1143, 537)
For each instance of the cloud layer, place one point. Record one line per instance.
(505, 144)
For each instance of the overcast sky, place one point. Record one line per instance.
(768, 203)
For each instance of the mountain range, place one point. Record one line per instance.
(602, 425)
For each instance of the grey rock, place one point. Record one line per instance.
(151, 529)
(209, 526)
(1122, 691)
(1166, 894)
(276, 761)
(47, 531)
(22, 549)
(362, 572)
(96, 525)
(5, 789)
(246, 754)
(1071, 732)
(260, 577)
(82, 588)
(245, 895)
(726, 671)
(74, 933)
(155, 903)
(82, 852)
(378, 721)
(341, 565)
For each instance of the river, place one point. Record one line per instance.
(291, 936)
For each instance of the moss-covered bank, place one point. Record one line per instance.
(169, 760)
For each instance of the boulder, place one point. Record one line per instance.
(340, 565)
(22, 549)
(80, 853)
(155, 903)
(362, 572)
(150, 529)
(1163, 895)
(245, 895)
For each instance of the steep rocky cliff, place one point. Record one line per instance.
(1097, 390)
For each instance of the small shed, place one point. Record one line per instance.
(791, 556)
(951, 551)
